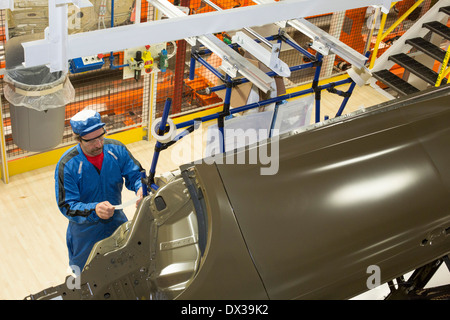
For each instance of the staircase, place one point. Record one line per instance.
(406, 52)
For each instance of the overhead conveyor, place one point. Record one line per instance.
(206, 44)
(323, 42)
(58, 47)
(233, 63)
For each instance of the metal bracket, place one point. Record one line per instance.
(232, 62)
(171, 11)
(325, 43)
(270, 59)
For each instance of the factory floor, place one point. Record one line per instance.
(33, 231)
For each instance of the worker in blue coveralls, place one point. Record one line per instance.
(88, 182)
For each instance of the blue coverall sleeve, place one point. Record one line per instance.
(131, 170)
(68, 198)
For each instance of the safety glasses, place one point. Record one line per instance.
(100, 138)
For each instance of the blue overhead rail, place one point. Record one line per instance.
(229, 83)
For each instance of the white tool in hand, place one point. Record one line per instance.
(126, 204)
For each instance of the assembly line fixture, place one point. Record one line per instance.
(228, 85)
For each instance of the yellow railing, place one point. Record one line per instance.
(443, 73)
(382, 34)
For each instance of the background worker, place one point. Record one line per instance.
(89, 179)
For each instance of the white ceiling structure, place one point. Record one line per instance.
(58, 47)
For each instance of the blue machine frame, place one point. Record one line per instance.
(228, 85)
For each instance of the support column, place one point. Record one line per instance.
(149, 86)
(179, 70)
(58, 35)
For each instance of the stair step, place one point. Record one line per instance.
(438, 28)
(416, 67)
(394, 82)
(445, 10)
(427, 48)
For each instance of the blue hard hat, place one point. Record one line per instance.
(86, 121)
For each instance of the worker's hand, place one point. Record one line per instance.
(104, 210)
(139, 194)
